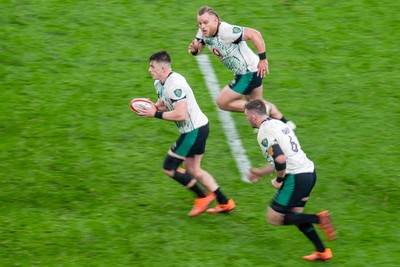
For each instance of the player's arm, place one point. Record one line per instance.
(179, 113)
(280, 165)
(196, 47)
(255, 174)
(258, 41)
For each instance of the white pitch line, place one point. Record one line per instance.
(228, 124)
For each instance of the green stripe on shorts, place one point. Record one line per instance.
(187, 144)
(243, 83)
(284, 195)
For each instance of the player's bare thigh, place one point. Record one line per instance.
(227, 95)
(230, 100)
(256, 93)
(193, 165)
(202, 176)
(276, 218)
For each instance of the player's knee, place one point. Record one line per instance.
(169, 173)
(272, 221)
(274, 218)
(271, 108)
(221, 103)
(195, 172)
(170, 165)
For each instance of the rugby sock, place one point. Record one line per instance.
(197, 190)
(283, 119)
(220, 197)
(309, 231)
(299, 218)
(185, 179)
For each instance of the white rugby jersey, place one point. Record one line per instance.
(176, 89)
(273, 132)
(231, 48)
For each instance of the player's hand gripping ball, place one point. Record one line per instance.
(138, 104)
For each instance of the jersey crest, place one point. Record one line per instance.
(264, 142)
(236, 30)
(178, 92)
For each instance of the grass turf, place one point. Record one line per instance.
(81, 181)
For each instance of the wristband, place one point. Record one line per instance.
(262, 56)
(158, 115)
(280, 179)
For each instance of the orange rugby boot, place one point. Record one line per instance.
(201, 204)
(322, 256)
(223, 208)
(327, 225)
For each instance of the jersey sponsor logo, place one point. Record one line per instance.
(216, 52)
(178, 92)
(236, 30)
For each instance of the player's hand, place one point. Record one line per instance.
(147, 111)
(263, 69)
(161, 106)
(254, 175)
(276, 184)
(194, 46)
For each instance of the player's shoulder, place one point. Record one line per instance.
(176, 78)
(264, 130)
(279, 125)
(273, 125)
(225, 25)
(176, 81)
(229, 29)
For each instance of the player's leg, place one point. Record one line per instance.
(274, 217)
(305, 226)
(231, 97)
(272, 110)
(302, 185)
(193, 164)
(171, 168)
(293, 196)
(202, 176)
(304, 223)
(230, 100)
(176, 155)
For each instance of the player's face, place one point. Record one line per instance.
(251, 118)
(155, 70)
(208, 24)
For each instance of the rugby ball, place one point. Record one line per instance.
(138, 103)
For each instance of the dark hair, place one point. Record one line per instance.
(209, 10)
(256, 105)
(161, 56)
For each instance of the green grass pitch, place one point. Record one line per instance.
(80, 175)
